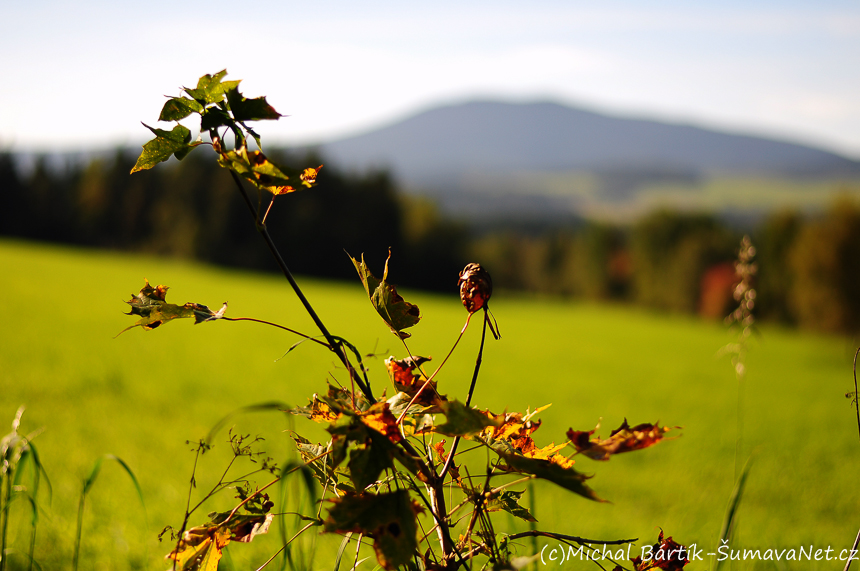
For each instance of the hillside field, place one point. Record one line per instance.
(144, 394)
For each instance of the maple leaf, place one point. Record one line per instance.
(509, 501)
(407, 378)
(389, 519)
(439, 449)
(320, 462)
(309, 176)
(379, 418)
(369, 444)
(317, 410)
(623, 439)
(461, 420)
(557, 469)
(256, 168)
(154, 311)
(397, 312)
(516, 429)
(201, 547)
(666, 554)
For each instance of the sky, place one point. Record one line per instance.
(83, 75)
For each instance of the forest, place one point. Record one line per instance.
(676, 261)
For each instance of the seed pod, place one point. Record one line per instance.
(476, 287)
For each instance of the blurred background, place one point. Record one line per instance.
(601, 161)
(612, 153)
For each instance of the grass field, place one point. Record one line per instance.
(142, 395)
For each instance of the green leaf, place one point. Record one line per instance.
(165, 144)
(566, 477)
(210, 89)
(462, 420)
(369, 451)
(509, 502)
(387, 518)
(149, 304)
(178, 108)
(256, 168)
(213, 117)
(397, 312)
(249, 109)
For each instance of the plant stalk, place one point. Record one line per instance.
(78, 533)
(333, 344)
(469, 396)
(4, 513)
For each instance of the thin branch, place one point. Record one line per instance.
(336, 347)
(856, 396)
(551, 535)
(431, 377)
(471, 392)
(264, 322)
(853, 551)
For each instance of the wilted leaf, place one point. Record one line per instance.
(516, 429)
(557, 469)
(321, 464)
(462, 420)
(407, 378)
(380, 419)
(309, 176)
(166, 143)
(476, 287)
(387, 518)
(256, 168)
(509, 502)
(370, 450)
(178, 108)
(624, 439)
(666, 554)
(439, 449)
(317, 410)
(200, 548)
(397, 312)
(249, 109)
(149, 304)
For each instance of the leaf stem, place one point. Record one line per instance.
(264, 322)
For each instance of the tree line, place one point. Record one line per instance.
(809, 266)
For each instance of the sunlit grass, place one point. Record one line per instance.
(142, 395)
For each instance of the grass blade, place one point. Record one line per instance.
(734, 504)
(340, 550)
(88, 484)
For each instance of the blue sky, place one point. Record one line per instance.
(85, 74)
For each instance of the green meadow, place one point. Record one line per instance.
(145, 394)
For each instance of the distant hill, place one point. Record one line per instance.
(565, 156)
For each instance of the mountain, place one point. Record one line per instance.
(520, 152)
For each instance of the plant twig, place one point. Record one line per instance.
(469, 396)
(431, 377)
(574, 538)
(264, 322)
(336, 347)
(856, 396)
